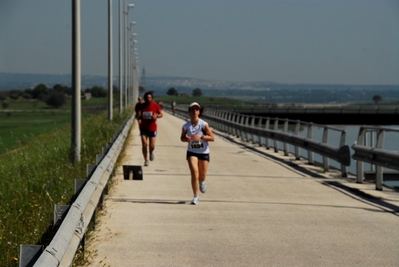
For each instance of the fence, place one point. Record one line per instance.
(255, 129)
(73, 220)
(268, 132)
(366, 151)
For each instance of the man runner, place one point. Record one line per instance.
(147, 115)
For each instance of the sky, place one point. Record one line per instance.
(284, 41)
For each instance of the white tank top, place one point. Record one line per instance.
(198, 146)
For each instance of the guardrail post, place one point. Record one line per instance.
(285, 130)
(236, 120)
(246, 123)
(274, 140)
(260, 126)
(310, 136)
(297, 151)
(379, 177)
(325, 141)
(344, 169)
(267, 126)
(79, 184)
(227, 115)
(359, 163)
(99, 157)
(60, 212)
(28, 254)
(90, 168)
(253, 125)
(379, 172)
(219, 114)
(222, 114)
(242, 118)
(230, 119)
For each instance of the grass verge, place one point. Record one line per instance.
(40, 175)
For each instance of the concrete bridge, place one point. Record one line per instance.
(260, 209)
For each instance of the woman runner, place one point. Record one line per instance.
(197, 133)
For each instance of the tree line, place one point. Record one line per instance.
(173, 92)
(55, 97)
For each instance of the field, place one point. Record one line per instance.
(36, 171)
(22, 121)
(35, 167)
(19, 128)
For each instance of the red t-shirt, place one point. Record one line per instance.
(147, 122)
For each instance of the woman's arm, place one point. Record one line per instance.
(208, 136)
(183, 136)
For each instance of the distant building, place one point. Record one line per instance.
(87, 96)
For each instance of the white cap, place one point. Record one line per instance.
(195, 104)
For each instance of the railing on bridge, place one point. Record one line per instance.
(366, 151)
(266, 131)
(254, 129)
(259, 130)
(278, 109)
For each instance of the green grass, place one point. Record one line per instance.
(25, 120)
(39, 175)
(19, 128)
(26, 104)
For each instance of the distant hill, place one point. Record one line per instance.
(256, 91)
(24, 81)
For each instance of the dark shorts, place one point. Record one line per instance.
(199, 156)
(148, 133)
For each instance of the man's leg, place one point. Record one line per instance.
(152, 146)
(144, 146)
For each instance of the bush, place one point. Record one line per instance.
(55, 99)
(197, 92)
(172, 91)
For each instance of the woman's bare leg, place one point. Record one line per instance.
(193, 164)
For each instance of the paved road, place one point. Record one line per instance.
(257, 211)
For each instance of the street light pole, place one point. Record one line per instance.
(76, 84)
(133, 62)
(110, 78)
(120, 58)
(127, 6)
(136, 72)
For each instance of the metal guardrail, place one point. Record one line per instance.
(245, 126)
(253, 129)
(273, 109)
(376, 155)
(62, 249)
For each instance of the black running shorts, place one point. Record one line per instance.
(199, 156)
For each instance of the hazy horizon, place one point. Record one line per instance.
(282, 41)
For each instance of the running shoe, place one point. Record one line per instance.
(151, 156)
(203, 187)
(146, 163)
(195, 200)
